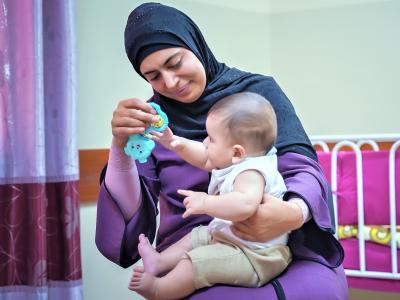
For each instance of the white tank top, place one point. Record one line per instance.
(222, 182)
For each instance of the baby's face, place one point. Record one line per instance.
(218, 143)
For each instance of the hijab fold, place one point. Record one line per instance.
(153, 26)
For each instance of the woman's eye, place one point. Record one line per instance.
(177, 65)
(154, 77)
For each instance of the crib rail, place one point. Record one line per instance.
(355, 142)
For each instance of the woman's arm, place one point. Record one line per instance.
(116, 234)
(122, 180)
(304, 179)
(273, 218)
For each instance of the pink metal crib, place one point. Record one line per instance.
(366, 189)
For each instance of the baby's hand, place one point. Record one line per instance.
(194, 202)
(168, 139)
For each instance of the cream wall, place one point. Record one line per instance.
(339, 64)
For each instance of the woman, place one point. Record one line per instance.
(168, 50)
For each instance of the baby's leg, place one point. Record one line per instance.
(158, 263)
(175, 285)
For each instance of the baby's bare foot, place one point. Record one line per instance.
(144, 283)
(150, 257)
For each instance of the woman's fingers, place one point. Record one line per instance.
(240, 227)
(124, 132)
(242, 234)
(141, 115)
(136, 103)
(136, 109)
(134, 114)
(127, 122)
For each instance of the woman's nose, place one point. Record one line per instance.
(170, 80)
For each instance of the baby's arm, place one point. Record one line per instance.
(191, 151)
(237, 205)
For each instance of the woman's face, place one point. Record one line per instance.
(175, 73)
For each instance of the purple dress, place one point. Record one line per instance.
(316, 271)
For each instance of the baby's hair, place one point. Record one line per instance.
(250, 119)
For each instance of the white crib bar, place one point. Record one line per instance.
(392, 199)
(322, 144)
(334, 189)
(346, 140)
(373, 144)
(360, 194)
(372, 274)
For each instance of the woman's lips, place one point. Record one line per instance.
(183, 91)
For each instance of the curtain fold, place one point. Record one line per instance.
(39, 202)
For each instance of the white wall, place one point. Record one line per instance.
(340, 65)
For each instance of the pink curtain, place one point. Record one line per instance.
(39, 204)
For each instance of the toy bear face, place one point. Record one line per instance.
(139, 147)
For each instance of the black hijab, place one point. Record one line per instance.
(153, 26)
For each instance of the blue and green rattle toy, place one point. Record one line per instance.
(139, 146)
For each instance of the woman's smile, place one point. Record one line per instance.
(184, 90)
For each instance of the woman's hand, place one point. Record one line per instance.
(132, 116)
(273, 218)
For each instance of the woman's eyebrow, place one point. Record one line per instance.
(165, 62)
(171, 57)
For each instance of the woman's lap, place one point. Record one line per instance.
(309, 280)
(302, 280)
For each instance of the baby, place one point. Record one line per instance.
(239, 151)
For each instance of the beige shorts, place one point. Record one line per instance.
(218, 259)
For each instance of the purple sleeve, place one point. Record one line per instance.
(304, 178)
(314, 240)
(122, 180)
(117, 239)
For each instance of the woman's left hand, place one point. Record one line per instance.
(273, 218)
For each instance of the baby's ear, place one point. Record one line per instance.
(239, 153)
